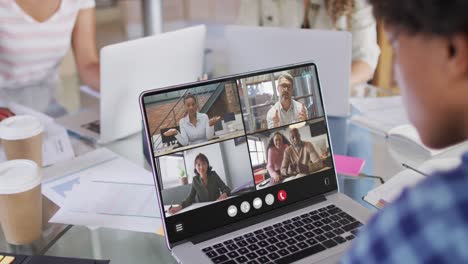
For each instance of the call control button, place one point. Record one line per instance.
(245, 207)
(232, 211)
(269, 199)
(257, 203)
(282, 195)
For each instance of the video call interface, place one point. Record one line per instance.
(218, 141)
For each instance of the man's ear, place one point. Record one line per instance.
(458, 55)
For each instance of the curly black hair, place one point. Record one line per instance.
(435, 17)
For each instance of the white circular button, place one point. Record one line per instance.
(269, 199)
(245, 207)
(257, 203)
(232, 211)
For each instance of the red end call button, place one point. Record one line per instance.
(282, 195)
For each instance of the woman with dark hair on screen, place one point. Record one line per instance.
(207, 186)
(275, 151)
(195, 127)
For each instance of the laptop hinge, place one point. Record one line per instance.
(256, 219)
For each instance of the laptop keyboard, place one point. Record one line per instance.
(288, 241)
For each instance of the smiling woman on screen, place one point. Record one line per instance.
(207, 186)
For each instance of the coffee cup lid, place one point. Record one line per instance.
(20, 127)
(18, 176)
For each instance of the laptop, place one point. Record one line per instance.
(252, 48)
(129, 68)
(261, 192)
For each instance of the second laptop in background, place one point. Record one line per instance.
(131, 67)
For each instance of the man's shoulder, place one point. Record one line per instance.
(287, 150)
(442, 188)
(422, 217)
(438, 198)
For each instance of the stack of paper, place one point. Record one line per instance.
(102, 189)
(387, 116)
(379, 114)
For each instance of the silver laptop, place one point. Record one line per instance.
(252, 48)
(244, 170)
(131, 67)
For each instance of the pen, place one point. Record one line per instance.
(170, 206)
(413, 169)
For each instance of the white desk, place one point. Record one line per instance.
(190, 207)
(172, 149)
(290, 178)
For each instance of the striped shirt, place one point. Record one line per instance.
(31, 51)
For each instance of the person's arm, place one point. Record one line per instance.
(191, 198)
(361, 72)
(270, 167)
(182, 136)
(270, 114)
(375, 242)
(84, 48)
(365, 50)
(286, 162)
(221, 185)
(209, 130)
(315, 152)
(301, 111)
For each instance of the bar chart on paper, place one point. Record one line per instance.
(108, 192)
(114, 198)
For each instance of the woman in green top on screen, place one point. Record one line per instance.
(207, 186)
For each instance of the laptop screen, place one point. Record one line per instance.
(236, 147)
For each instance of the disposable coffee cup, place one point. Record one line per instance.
(21, 138)
(20, 201)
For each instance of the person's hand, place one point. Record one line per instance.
(303, 113)
(5, 113)
(170, 132)
(204, 77)
(302, 168)
(276, 178)
(293, 167)
(214, 120)
(222, 197)
(276, 119)
(174, 209)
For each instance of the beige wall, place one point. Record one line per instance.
(214, 11)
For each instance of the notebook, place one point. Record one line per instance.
(406, 179)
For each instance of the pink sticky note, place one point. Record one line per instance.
(348, 165)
